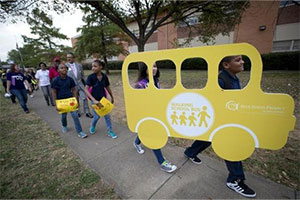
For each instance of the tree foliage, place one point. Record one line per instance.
(99, 37)
(41, 25)
(14, 10)
(214, 16)
(44, 46)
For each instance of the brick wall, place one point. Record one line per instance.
(260, 13)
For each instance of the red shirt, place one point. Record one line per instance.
(53, 73)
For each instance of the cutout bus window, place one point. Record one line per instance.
(167, 72)
(194, 73)
(133, 72)
(234, 64)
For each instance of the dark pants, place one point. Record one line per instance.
(235, 168)
(21, 96)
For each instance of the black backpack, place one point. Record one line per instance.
(226, 80)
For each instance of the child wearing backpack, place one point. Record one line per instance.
(231, 65)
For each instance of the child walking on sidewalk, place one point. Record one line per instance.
(63, 87)
(98, 82)
(142, 83)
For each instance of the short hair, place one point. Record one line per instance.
(99, 62)
(42, 63)
(71, 54)
(226, 59)
(63, 65)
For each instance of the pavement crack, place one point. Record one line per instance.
(173, 174)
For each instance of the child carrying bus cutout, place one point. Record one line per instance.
(63, 87)
(142, 83)
(231, 65)
(98, 82)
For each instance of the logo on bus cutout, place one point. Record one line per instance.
(190, 114)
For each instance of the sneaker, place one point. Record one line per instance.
(112, 134)
(92, 130)
(195, 159)
(82, 135)
(167, 166)
(138, 148)
(240, 187)
(64, 129)
(89, 115)
(27, 111)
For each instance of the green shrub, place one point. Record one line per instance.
(115, 65)
(271, 61)
(281, 61)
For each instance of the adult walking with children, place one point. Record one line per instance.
(15, 85)
(75, 71)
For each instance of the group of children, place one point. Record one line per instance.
(230, 65)
(97, 86)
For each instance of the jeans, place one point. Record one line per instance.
(157, 152)
(96, 117)
(47, 94)
(75, 117)
(21, 96)
(235, 168)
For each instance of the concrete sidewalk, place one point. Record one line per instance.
(137, 176)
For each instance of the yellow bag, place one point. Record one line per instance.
(104, 107)
(67, 105)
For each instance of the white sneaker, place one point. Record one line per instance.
(138, 148)
(168, 167)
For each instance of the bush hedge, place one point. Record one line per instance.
(271, 61)
(281, 61)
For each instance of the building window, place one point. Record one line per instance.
(287, 45)
(296, 45)
(285, 3)
(136, 32)
(190, 21)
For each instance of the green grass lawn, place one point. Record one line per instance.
(35, 162)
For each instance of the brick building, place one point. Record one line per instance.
(270, 26)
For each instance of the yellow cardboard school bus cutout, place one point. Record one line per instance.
(235, 121)
(104, 107)
(66, 105)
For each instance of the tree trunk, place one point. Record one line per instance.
(104, 50)
(141, 47)
(106, 65)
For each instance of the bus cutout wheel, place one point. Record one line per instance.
(153, 133)
(233, 144)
